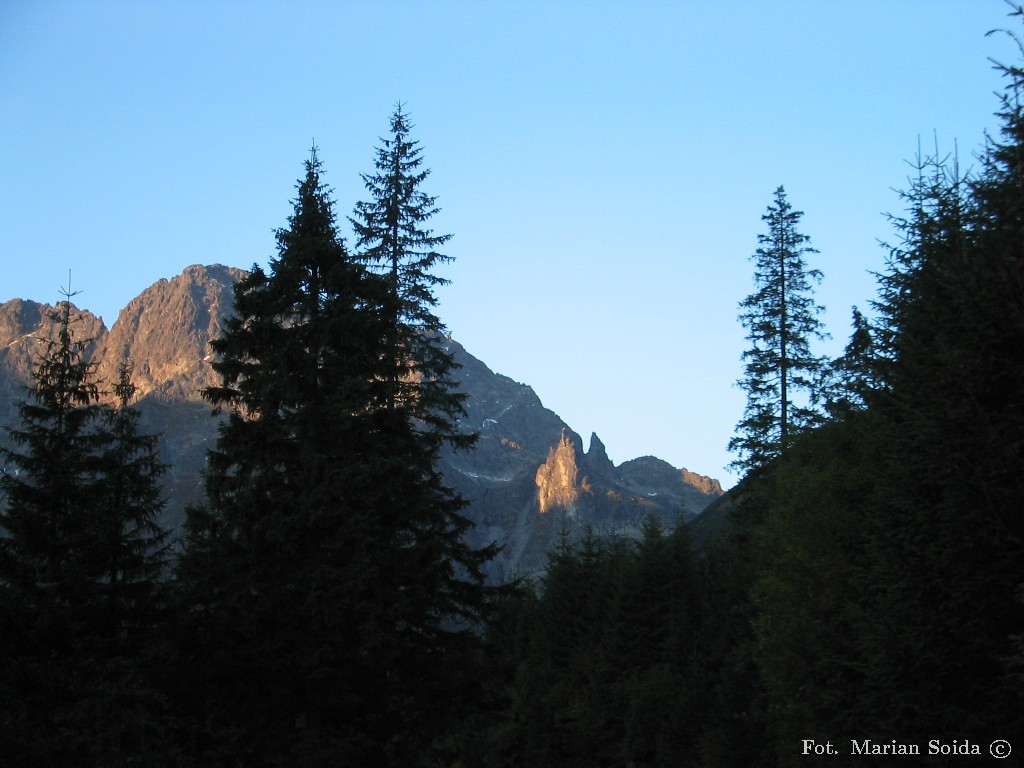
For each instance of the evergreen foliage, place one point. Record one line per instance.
(888, 594)
(782, 378)
(328, 563)
(134, 556)
(393, 239)
(954, 437)
(936, 198)
(813, 596)
(855, 375)
(391, 227)
(600, 663)
(48, 480)
(81, 554)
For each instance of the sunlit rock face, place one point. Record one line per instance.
(165, 333)
(25, 328)
(527, 481)
(558, 491)
(558, 479)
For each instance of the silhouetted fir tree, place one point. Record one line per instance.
(578, 595)
(79, 566)
(934, 197)
(782, 378)
(549, 646)
(47, 592)
(333, 598)
(394, 239)
(47, 481)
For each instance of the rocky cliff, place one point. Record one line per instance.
(527, 480)
(165, 332)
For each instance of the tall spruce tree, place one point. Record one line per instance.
(333, 595)
(782, 377)
(50, 472)
(79, 566)
(393, 239)
(935, 199)
(46, 593)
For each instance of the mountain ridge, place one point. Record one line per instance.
(527, 481)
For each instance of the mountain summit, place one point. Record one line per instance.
(528, 480)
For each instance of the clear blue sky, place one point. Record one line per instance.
(603, 166)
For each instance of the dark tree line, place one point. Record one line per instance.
(601, 666)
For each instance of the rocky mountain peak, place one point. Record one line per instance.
(526, 481)
(19, 318)
(166, 331)
(597, 457)
(24, 328)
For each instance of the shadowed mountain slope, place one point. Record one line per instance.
(528, 479)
